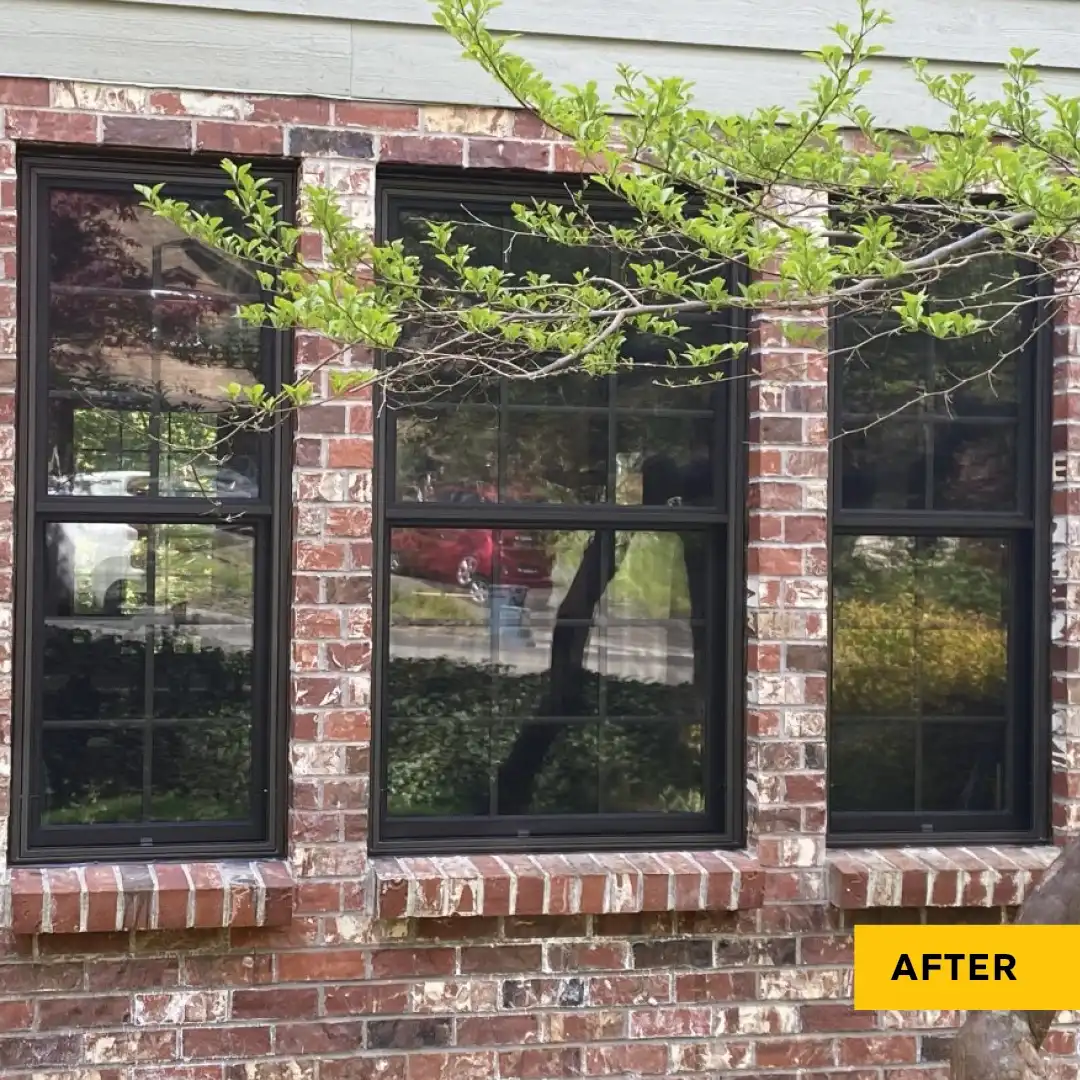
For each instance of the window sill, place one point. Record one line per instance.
(950, 877)
(600, 884)
(99, 897)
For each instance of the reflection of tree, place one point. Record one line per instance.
(663, 481)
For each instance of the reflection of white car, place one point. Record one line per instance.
(97, 552)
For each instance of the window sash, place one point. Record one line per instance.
(262, 831)
(721, 823)
(1028, 528)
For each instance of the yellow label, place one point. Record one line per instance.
(967, 967)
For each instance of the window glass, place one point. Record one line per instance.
(143, 339)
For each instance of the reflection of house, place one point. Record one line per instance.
(554, 730)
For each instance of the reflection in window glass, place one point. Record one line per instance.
(920, 642)
(938, 566)
(643, 435)
(932, 424)
(151, 703)
(143, 338)
(554, 667)
(147, 677)
(546, 672)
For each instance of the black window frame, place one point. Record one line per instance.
(1028, 659)
(724, 826)
(264, 834)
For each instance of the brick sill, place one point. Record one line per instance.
(599, 884)
(954, 877)
(101, 897)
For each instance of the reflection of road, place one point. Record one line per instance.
(647, 653)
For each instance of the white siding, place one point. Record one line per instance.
(741, 53)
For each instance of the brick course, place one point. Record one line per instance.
(675, 964)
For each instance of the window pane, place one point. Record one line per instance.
(555, 457)
(964, 766)
(652, 382)
(574, 389)
(663, 459)
(883, 467)
(445, 455)
(533, 658)
(975, 467)
(884, 373)
(674, 781)
(151, 624)
(979, 374)
(143, 339)
(92, 775)
(872, 765)
(201, 771)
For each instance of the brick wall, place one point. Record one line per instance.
(733, 963)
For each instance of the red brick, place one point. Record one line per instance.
(497, 1030)
(83, 1012)
(292, 1004)
(795, 1053)
(290, 110)
(350, 453)
(226, 1042)
(508, 154)
(366, 114)
(132, 974)
(27, 901)
(644, 1059)
(173, 895)
(474, 1065)
(34, 125)
(143, 132)
(19, 91)
(540, 1062)
(400, 963)
(238, 138)
(329, 965)
(16, 1015)
(333, 1037)
(876, 1049)
(21, 1052)
(421, 150)
(508, 959)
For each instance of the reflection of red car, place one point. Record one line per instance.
(471, 558)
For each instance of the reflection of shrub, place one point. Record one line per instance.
(884, 662)
(201, 770)
(454, 723)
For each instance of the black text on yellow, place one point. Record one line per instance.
(977, 967)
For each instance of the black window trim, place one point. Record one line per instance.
(594, 833)
(261, 837)
(891, 829)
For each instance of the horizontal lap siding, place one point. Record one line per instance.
(750, 57)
